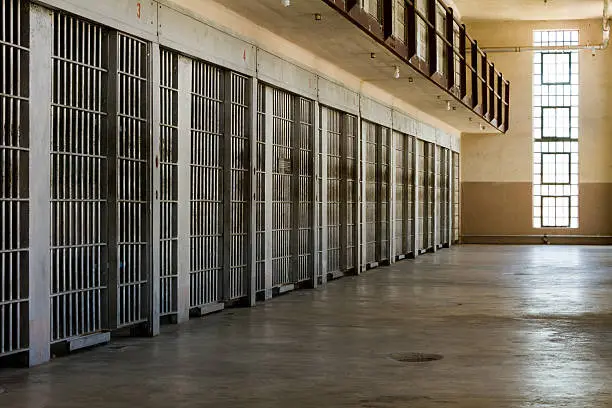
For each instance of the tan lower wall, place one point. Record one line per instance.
(491, 210)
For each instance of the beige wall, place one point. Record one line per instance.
(497, 170)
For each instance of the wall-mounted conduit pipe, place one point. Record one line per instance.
(530, 48)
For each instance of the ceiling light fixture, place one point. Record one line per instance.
(396, 74)
(373, 55)
(448, 106)
(286, 3)
(317, 17)
(483, 127)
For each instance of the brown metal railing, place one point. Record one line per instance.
(465, 70)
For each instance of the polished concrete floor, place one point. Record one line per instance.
(517, 326)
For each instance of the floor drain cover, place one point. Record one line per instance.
(415, 357)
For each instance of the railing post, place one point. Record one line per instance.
(499, 100)
(507, 107)
(411, 28)
(387, 18)
(450, 49)
(475, 79)
(484, 85)
(492, 101)
(432, 43)
(464, 61)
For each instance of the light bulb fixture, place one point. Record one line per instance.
(317, 17)
(448, 106)
(396, 74)
(286, 3)
(411, 79)
(483, 127)
(373, 55)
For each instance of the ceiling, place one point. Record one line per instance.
(529, 9)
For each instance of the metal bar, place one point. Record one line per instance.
(463, 65)
(506, 107)
(475, 88)
(450, 49)
(41, 47)
(392, 192)
(411, 30)
(387, 17)
(484, 85)
(492, 100)
(432, 43)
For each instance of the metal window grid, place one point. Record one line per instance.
(555, 131)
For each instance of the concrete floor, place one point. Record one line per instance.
(517, 326)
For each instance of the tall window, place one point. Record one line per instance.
(555, 130)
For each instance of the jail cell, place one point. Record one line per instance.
(351, 190)
(259, 188)
(14, 186)
(238, 161)
(403, 195)
(456, 197)
(132, 171)
(207, 182)
(305, 186)
(283, 134)
(429, 215)
(79, 180)
(168, 163)
(371, 198)
(421, 196)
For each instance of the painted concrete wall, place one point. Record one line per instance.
(497, 170)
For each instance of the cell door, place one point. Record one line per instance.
(237, 158)
(438, 197)
(444, 197)
(333, 133)
(132, 180)
(351, 189)
(304, 174)
(421, 196)
(430, 192)
(371, 198)
(14, 184)
(168, 163)
(283, 132)
(79, 180)
(260, 189)
(206, 185)
(456, 197)
(409, 194)
(384, 194)
(401, 238)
